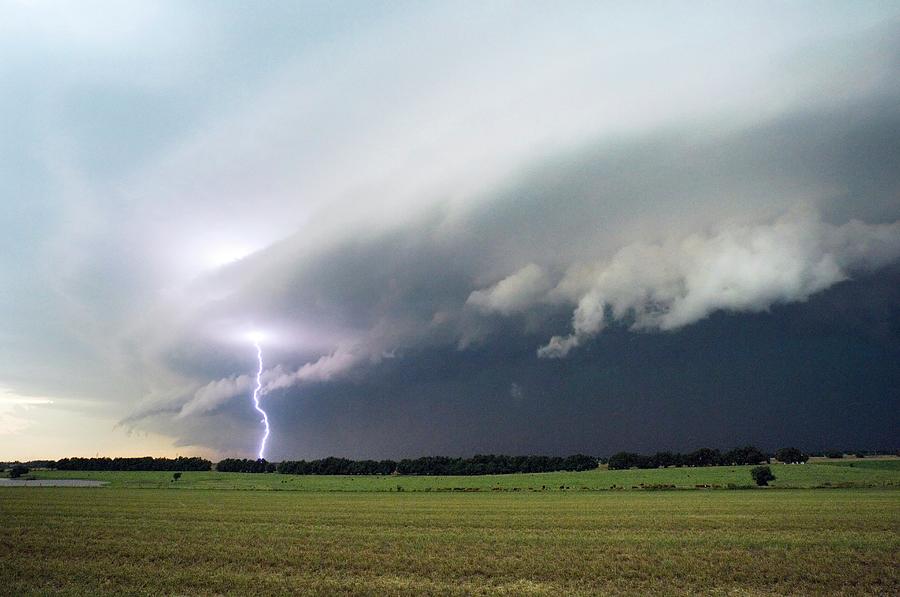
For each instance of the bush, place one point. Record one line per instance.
(18, 470)
(762, 475)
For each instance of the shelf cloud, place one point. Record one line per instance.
(735, 268)
(486, 225)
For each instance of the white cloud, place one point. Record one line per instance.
(324, 368)
(14, 409)
(218, 392)
(513, 293)
(214, 394)
(735, 268)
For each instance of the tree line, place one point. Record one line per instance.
(337, 466)
(245, 465)
(704, 457)
(145, 463)
(489, 464)
(480, 464)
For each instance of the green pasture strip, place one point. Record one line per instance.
(787, 476)
(885, 464)
(118, 541)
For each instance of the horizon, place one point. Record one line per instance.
(869, 452)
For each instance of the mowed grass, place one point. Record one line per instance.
(882, 473)
(121, 541)
(889, 463)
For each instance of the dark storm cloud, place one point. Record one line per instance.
(413, 301)
(615, 187)
(793, 375)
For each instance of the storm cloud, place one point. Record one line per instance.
(457, 230)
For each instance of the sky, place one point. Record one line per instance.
(458, 228)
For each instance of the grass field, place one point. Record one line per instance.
(542, 534)
(874, 473)
(122, 541)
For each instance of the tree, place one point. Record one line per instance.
(790, 456)
(703, 457)
(745, 455)
(18, 470)
(244, 465)
(664, 459)
(176, 476)
(627, 460)
(762, 475)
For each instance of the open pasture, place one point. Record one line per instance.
(875, 473)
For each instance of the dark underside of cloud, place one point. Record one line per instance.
(817, 374)
(751, 323)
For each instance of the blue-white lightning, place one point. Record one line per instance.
(265, 418)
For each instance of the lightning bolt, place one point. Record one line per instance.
(256, 390)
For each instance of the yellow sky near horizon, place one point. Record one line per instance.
(29, 430)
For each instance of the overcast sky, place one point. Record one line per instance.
(458, 227)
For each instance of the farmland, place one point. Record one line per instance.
(89, 541)
(220, 533)
(875, 473)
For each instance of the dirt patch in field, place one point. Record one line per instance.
(50, 483)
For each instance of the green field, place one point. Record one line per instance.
(874, 473)
(123, 541)
(832, 527)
